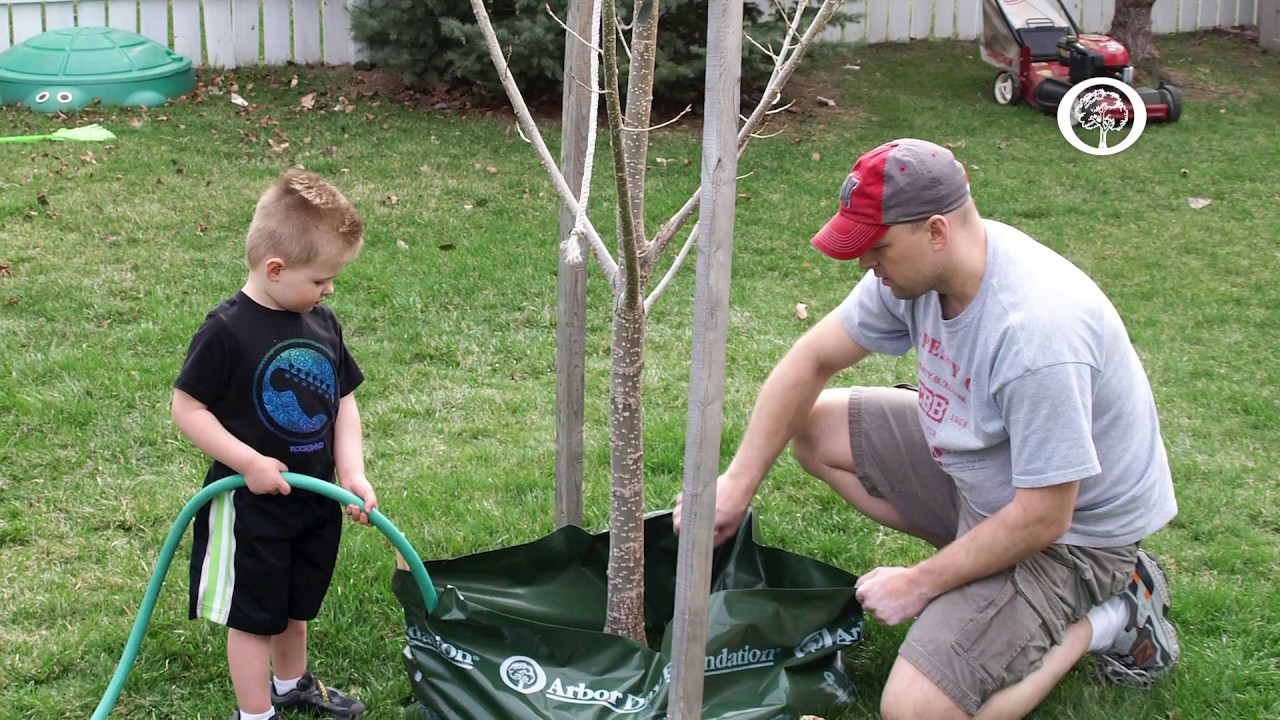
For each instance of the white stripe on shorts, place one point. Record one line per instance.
(218, 570)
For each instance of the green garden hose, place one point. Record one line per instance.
(301, 482)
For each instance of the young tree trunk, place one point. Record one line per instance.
(1132, 26)
(625, 613)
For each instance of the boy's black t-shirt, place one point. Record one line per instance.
(273, 378)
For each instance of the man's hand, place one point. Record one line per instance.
(360, 487)
(731, 506)
(893, 594)
(263, 476)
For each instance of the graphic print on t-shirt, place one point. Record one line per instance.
(296, 391)
(943, 401)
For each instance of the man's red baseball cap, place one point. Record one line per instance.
(901, 181)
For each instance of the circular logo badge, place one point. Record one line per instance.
(1105, 106)
(296, 390)
(522, 674)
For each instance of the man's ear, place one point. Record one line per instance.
(272, 267)
(939, 231)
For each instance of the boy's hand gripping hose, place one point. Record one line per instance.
(301, 482)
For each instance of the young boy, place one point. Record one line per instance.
(268, 386)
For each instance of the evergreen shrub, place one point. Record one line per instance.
(437, 44)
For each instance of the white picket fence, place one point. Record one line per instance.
(234, 33)
(214, 33)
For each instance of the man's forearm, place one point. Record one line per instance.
(1030, 523)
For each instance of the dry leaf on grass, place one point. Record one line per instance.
(802, 311)
(1197, 203)
(239, 100)
(308, 101)
(402, 245)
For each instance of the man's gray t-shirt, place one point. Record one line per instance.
(1034, 384)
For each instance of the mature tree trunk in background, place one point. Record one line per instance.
(1132, 26)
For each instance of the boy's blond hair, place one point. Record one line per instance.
(302, 218)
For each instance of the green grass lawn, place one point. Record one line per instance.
(110, 255)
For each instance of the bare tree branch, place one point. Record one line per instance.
(635, 117)
(766, 136)
(593, 45)
(530, 129)
(785, 64)
(622, 38)
(627, 249)
(668, 230)
(671, 271)
(687, 109)
(581, 220)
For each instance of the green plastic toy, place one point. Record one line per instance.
(87, 133)
(70, 68)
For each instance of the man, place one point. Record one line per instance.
(1030, 455)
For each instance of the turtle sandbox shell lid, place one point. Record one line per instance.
(66, 69)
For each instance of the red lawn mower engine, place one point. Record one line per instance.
(1040, 53)
(1091, 56)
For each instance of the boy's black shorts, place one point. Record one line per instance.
(258, 561)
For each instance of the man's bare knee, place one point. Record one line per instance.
(910, 695)
(805, 450)
(822, 441)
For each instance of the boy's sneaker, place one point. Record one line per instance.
(236, 716)
(312, 696)
(1148, 646)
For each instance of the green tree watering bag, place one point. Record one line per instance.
(517, 633)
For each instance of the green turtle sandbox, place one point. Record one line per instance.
(66, 69)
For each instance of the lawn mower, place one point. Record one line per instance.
(1039, 53)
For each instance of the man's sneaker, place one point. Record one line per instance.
(1148, 646)
(312, 696)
